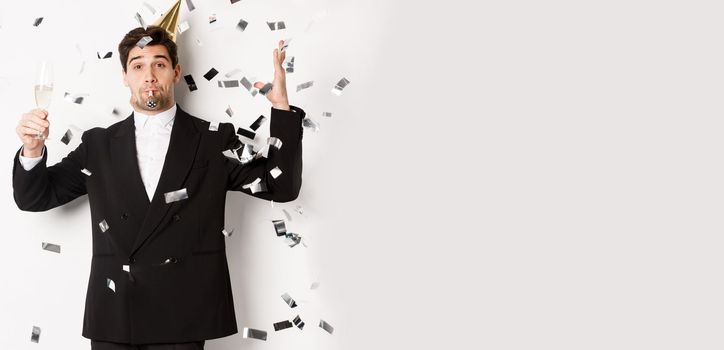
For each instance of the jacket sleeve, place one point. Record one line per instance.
(42, 188)
(287, 127)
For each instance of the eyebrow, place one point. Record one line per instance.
(156, 56)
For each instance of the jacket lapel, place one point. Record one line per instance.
(179, 158)
(129, 188)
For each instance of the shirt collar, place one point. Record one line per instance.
(163, 118)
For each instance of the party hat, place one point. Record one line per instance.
(168, 20)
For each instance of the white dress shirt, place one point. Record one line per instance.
(153, 134)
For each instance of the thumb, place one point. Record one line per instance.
(258, 85)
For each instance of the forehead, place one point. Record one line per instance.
(147, 52)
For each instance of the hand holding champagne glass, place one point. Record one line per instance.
(33, 126)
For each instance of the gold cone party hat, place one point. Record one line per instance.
(168, 20)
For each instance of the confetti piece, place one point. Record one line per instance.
(229, 111)
(288, 299)
(149, 7)
(107, 55)
(35, 336)
(246, 133)
(265, 89)
(254, 333)
(257, 123)
(327, 114)
(85, 171)
(75, 98)
(299, 209)
(66, 137)
(212, 18)
(275, 172)
(227, 233)
(245, 82)
(144, 41)
(211, 74)
(214, 126)
(141, 21)
(310, 124)
(314, 285)
(190, 5)
(232, 73)
(183, 26)
(305, 85)
(103, 225)
(290, 65)
(190, 82)
(298, 322)
(175, 196)
(127, 268)
(337, 90)
(229, 83)
(280, 227)
(274, 142)
(282, 325)
(38, 21)
(326, 326)
(111, 284)
(242, 25)
(51, 247)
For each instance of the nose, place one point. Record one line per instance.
(148, 76)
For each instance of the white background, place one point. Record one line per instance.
(504, 175)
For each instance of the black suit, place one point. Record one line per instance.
(178, 289)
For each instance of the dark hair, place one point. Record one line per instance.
(160, 37)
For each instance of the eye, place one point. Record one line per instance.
(138, 66)
(160, 65)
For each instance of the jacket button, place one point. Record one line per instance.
(176, 218)
(124, 216)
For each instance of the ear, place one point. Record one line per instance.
(177, 73)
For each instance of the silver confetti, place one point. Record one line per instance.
(141, 21)
(250, 185)
(51, 247)
(35, 336)
(326, 326)
(127, 268)
(310, 124)
(227, 233)
(272, 25)
(66, 137)
(103, 225)
(299, 209)
(259, 187)
(86, 172)
(292, 239)
(245, 82)
(298, 322)
(314, 285)
(282, 325)
(233, 72)
(242, 25)
(288, 299)
(285, 44)
(254, 333)
(144, 41)
(275, 172)
(149, 7)
(229, 83)
(290, 65)
(111, 284)
(280, 227)
(38, 21)
(337, 90)
(74, 98)
(175, 196)
(214, 126)
(327, 114)
(281, 25)
(266, 88)
(305, 85)
(183, 26)
(274, 142)
(229, 111)
(190, 5)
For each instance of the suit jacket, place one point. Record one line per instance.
(178, 287)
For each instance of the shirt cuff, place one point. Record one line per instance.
(29, 163)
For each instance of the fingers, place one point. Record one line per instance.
(258, 85)
(33, 122)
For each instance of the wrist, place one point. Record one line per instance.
(32, 153)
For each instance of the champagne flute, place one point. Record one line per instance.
(43, 88)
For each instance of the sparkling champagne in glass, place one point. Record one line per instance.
(43, 88)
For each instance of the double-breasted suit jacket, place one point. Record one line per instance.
(166, 261)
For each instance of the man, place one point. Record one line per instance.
(156, 185)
